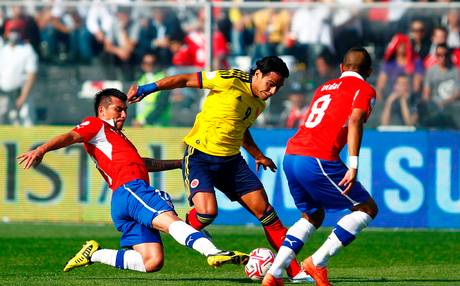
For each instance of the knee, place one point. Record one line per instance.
(201, 219)
(153, 264)
(370, 208)
(316, 218)
(206, 218)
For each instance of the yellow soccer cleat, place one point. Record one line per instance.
(228, 257)
(83, 257)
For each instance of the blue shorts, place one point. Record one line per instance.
(313, 184)
(230, 174)
(134, 206)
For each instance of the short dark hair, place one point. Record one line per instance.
(102, 97)
(441, 28)
(448, 53)
(271, 64)
(362, 66)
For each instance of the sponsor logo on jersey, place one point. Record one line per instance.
(210, 75)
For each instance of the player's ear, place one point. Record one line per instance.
(100, 110)
(341, 68)
(258, 74)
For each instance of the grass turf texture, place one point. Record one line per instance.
(34, 254)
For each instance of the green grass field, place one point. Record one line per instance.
(34, 254)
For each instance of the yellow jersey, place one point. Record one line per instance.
(229, 109)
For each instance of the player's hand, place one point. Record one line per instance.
(348, 180)
(265, 162)
(132, 94)
(31, 158)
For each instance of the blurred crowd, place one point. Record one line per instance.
(416, 54)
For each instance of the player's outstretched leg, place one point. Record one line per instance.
(83, 257)
(228, 257)
(190, 237)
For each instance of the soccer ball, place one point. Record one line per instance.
(260, 260)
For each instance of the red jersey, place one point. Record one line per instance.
(115, 156)
(325, 130)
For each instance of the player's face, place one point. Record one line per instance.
(116, 110)
(264, 86)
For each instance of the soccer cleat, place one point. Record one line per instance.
(228, 257)
(83, 257)
(301, 277)
(319, 274)
(270, 280)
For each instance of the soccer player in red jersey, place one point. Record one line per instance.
(318, 180)
(138, 210)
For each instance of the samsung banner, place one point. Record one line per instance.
(413, 176)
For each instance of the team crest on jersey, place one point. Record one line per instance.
(85, 123)
(194, 183)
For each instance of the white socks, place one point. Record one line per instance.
(123, 259)
(131, 259)
(343, 234)
(295, 238)
(188, 236)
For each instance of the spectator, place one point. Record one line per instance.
(271, 31)
(398, 109)
(69, 23)
(31, 33)
(376, 27)
(293, 116)
(123, 36)
(120, 43)
(157, 34)
(192, 52)
(347, 26)
(440, 92)
(419, 41)
(220, 47)
(453, 28)
(242, 34)
(17, 76)
(153, 110)
(99, 22)
(310, 42)
(438, 37)
(325, 69)
(399, 58)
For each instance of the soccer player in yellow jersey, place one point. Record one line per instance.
(212, 157)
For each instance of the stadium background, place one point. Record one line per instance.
(413, 172)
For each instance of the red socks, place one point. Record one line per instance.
(275, 233)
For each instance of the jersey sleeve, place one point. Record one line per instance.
(88, 128)
(220, 80)
(365, 100)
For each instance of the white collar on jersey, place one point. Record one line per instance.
(351, 73)
(110, 121)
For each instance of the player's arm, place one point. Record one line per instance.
(35, 156)
(354, 137)
(137, 93)
(261, 159)
(154, 165)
